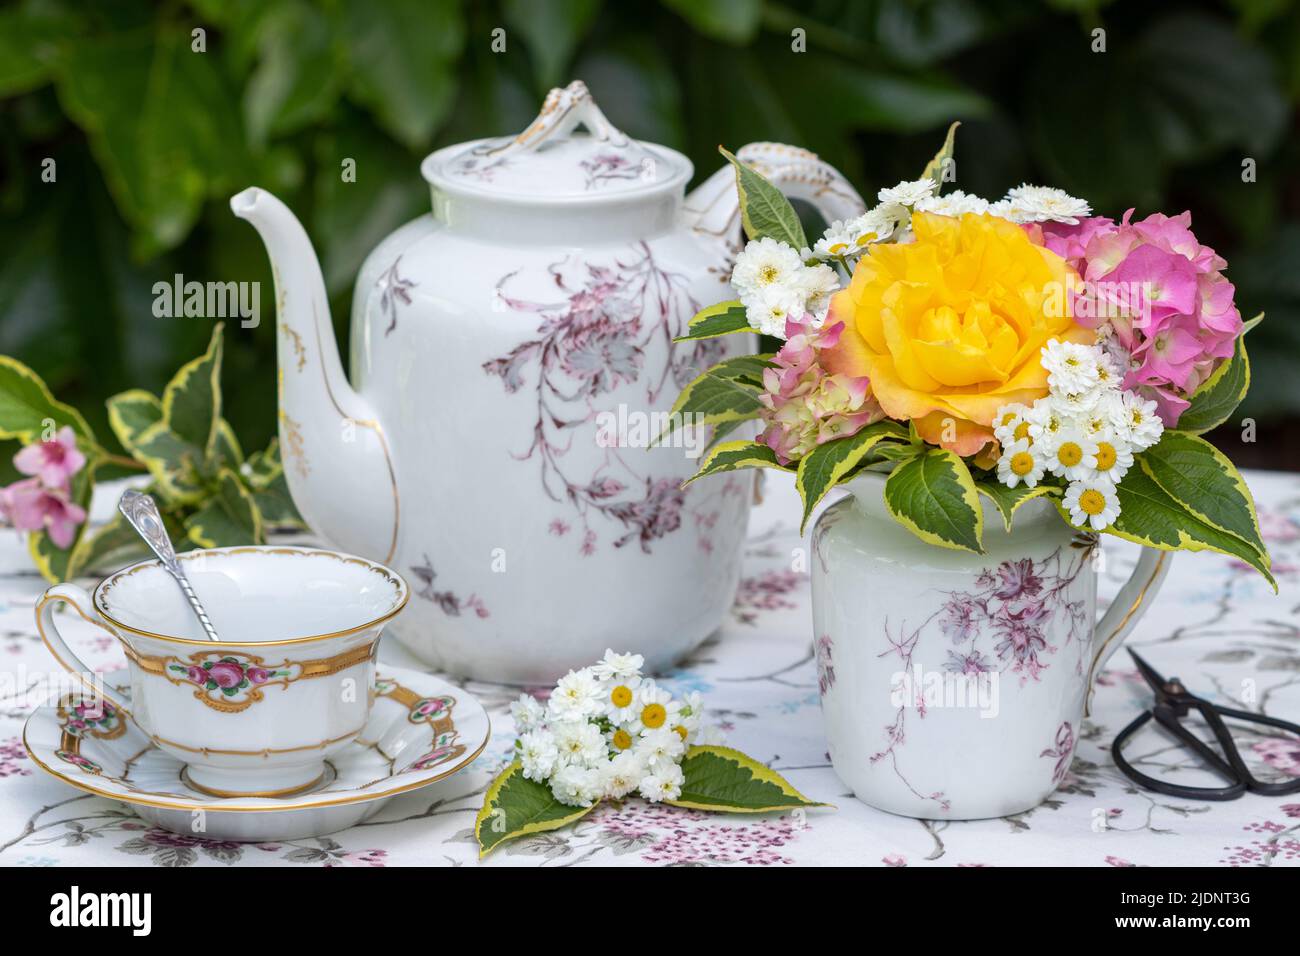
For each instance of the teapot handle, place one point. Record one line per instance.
(714, 207)
(1133, 600)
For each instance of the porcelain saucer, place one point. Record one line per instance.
(421, 729)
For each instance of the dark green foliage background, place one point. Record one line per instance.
(150, 139)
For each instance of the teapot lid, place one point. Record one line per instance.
(551, 159)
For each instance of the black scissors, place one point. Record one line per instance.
(1173, 702)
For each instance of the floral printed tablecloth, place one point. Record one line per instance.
(1216, 625)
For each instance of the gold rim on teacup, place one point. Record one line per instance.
(106, 585)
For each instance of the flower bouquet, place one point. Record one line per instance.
(606, 733)
(1013, 349)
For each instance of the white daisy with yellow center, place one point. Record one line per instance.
(654, 709)
(618, 698)
(1113, 457)
(1069, 453)
(1092, 502)
(1044, 422)
(1010, 423)
(1020, 464)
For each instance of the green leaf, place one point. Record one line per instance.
(1008, 500)
(192, 399)
(934, 497)
(552, 30)
(1220, 394)
(226, 450)
(162, 122)
(264, 474)
(827, 465)
(515, 806)
(726, 780)
(1150, 516)
(174, 463)
(299, 74)
(130, 413)
(733, 455)
(731, 21)
(27, 409)
(935, 167)
(111, 544)
(725, 318)
(28, 46)
(403, 55)
(727, 392)
(764, 210)
(230, 517)
(1202, 478)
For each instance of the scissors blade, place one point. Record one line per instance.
(1148, 672)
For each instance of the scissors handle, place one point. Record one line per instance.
(1236, 789)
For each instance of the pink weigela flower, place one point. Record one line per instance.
(1161, 296)
(804, 405)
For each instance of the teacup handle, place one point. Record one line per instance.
(80, 602)
(1133, 600)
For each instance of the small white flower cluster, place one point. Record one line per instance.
(774, 284)
(1085, 430)
(606, 732)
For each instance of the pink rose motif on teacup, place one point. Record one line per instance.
(87, 717)
(228, 682)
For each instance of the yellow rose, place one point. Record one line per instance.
(949, 327)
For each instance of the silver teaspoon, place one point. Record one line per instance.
(142, 512)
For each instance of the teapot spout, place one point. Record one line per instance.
(713, 208)
(336, 458)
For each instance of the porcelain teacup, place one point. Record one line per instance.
(290, 683)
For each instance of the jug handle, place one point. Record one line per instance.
(714, 207)
(1134, 600)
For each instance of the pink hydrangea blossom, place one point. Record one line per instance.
(805, 406)
(30, 505)
(54, 462)
(1167, 310)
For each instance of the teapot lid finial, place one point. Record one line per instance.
(552, 158)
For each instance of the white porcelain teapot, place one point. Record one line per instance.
(508, 350)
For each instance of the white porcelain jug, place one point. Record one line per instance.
(509, 353)
(953, 684)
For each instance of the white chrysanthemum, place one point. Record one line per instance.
(576, 696)
(954, 203)
(690, 716)
(577, 786)
(767, 311)
(579, 742)
(1011, 423)
(659, 747)
(1070, 367)
(1070, 453)
(655, 708)
(1047, 203)
(710, 735)
(538, 753)
(764, 264)
(663, 784)
(621, 775)
(1012, 212)
(1113, 457)
(1108, 374)
(1137, 421)
(528, 713)
(908, 193)
(618, 698)
(1045, 423)
(1076, 406)
(1021, 463)
(1092, 502)
(617, 665)
(817, 284)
